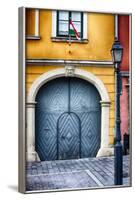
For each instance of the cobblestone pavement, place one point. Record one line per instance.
(73, 174)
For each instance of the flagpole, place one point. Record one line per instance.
(75, 31)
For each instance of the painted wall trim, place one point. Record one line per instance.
(124, 73)
(33, 37)
(37, 22)
(85, 28)
(54, 20)
(36, 34)
(116, 26)
(66, 62)
(61, 72)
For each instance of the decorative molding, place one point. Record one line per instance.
(44, 78)
(69, 70)
(31, 104)
(66, 39)
(105, 103)
(33, 37)
(66, 62)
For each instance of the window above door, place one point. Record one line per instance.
(65, 27)
(69, 25)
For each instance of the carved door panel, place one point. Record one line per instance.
(68, 119)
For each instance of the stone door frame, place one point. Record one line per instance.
(61, 72)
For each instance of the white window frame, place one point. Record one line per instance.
(36, 34)
(54, 25)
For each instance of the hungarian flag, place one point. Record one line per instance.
(73, 31)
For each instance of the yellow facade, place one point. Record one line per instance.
(99, 26)
(100, 39)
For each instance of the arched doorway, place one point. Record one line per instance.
(31, 103)
(67, 119)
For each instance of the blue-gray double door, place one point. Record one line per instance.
(68, 119)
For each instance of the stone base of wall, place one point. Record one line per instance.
(108, 151)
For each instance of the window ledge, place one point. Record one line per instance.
(66, 39)
(33, 37)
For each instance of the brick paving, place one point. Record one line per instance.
(74, 174)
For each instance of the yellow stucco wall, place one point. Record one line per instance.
(100, 39)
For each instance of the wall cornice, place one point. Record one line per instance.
(68, 62)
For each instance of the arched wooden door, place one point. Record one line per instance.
(68, 136)
(68, 118)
